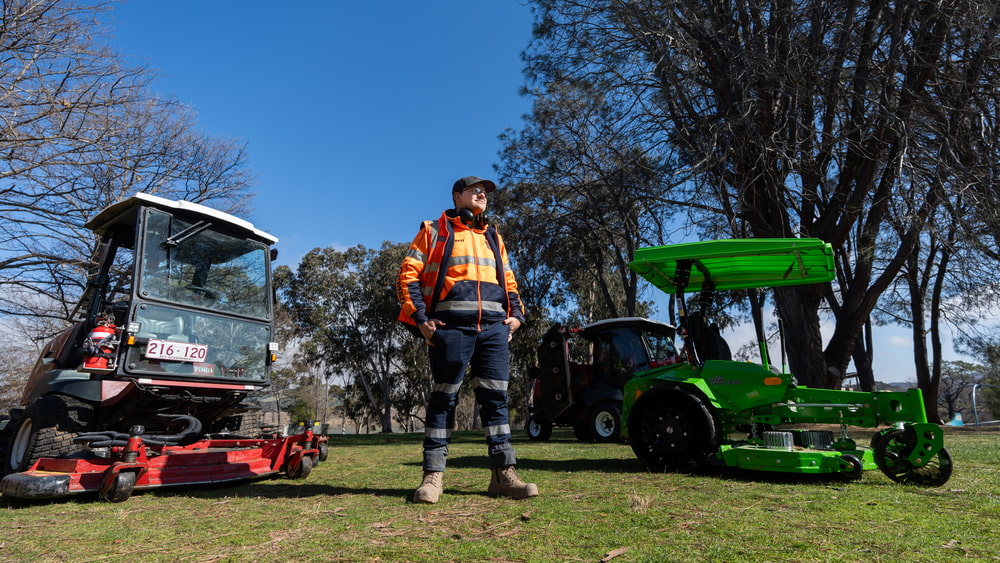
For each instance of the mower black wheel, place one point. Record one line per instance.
(672, 430)
(302, 470)
(878, 436)
(122, 488)
(856, 469)
(538, 427)
(606, 422)
(46, 428)
(891, 452)
(324, 451)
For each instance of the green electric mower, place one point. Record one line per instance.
(709, 410)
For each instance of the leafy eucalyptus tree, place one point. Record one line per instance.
(344, 307)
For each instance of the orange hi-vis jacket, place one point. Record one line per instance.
(478, 287)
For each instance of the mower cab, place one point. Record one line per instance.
(172, 335)
(710, 410)
(581, 372)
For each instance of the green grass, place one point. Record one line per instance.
(596, 503)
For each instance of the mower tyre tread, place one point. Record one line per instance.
(55, 420)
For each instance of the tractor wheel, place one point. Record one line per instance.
(891, 452)
(581, 430)
(302, 470)
(538, 427)
(46, 428)
(7, 438)
(122, 488)
(250, 423)
(672, 430)
(324, 451)
(606, 422)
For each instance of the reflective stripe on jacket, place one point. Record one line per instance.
(471, 294)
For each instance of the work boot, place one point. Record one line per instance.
(430, 489)
(505, 482)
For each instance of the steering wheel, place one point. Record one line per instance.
(201, 292)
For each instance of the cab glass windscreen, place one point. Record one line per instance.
(195, 264)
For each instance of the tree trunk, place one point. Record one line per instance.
(934, 383)
(756, 299)
(863, 359)
(797, 308)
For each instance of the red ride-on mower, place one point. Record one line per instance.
(150, 386)
(581, 372)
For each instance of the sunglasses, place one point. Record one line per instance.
(475, 189)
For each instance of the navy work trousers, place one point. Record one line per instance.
(488, 355)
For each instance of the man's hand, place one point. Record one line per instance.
(429, 328)
(514, 324)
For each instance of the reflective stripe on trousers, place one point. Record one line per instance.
(488, 355)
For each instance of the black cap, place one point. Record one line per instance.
(463, 183)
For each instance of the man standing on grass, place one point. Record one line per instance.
(456, 288)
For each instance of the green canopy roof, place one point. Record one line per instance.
(736, 264)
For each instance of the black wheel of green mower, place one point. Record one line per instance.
(46, 428)
(302, 469)
(857, 468)
(606, 422)
(672, 430)
(538, 427)
(122, 488)
(892, 451)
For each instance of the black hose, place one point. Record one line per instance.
(110, 439)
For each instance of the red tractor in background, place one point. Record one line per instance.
(150, 385)
(581, 372)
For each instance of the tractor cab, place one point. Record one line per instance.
(581, 372)
(173, 331)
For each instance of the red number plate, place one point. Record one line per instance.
(177, 351)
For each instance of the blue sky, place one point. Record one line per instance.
(358, 116)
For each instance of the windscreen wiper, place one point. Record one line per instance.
(185, 234)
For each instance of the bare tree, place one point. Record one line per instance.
(20, 355)
(582, 195)
(955, 393)
(78, 131)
